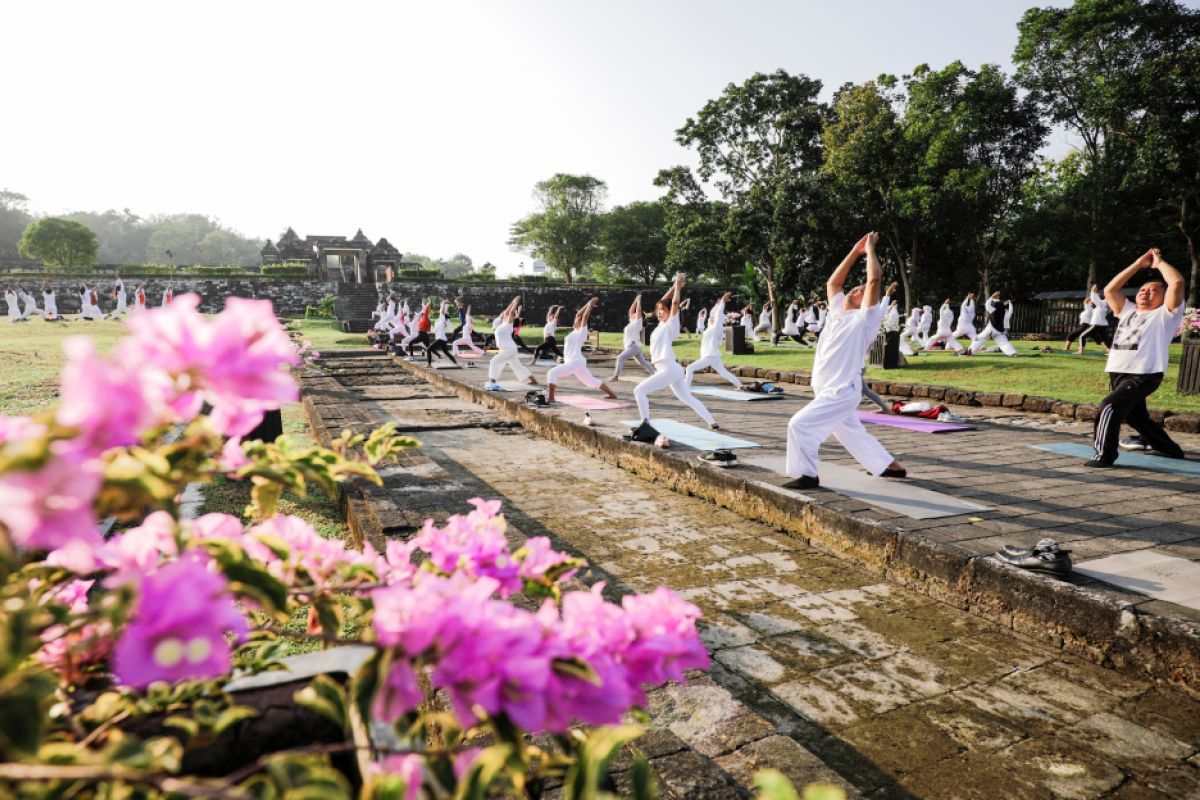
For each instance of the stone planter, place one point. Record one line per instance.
(1189, 367)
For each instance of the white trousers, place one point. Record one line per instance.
(749, 329)
(762, 327)
(633, 351)
(466, 340)
(577, 367)
(668, 374)
(718, 367)
(948, 338)
(906, 342)
(832, 411)
(507, 357)
(997, 336)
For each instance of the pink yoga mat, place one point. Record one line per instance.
(912, 423)
(589, 403)
(469, 354)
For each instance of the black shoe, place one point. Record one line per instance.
(803, 482)
(720, 458)
(1057, 562)
(1043, 546)
(1097, 463)
(894, 473)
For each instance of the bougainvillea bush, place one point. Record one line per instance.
(478, 650)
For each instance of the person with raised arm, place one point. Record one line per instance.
(50, 302)
(851, 325)
(632, 341)
(439, 346)
(468, 328)
(994, 330)
(945, 329)
(120, 297)
(549, 346)
(764, 320)
(710, 346)
(746, 320)
(1098, 328)
(502, 328)
(574, 362)
(667, 371)
(966, 322)
(1139, 356)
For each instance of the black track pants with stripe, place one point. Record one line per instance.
(1127, 403)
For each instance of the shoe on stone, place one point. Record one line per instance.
(1057, 562)
(720, 458)
(1096, 463)
(1046, 545)
(1133, 443)
(803, 482)
(894, 473)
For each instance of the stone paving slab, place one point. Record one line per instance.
(1033, 493)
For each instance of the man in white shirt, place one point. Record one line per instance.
(1138, 358)
(853, 321)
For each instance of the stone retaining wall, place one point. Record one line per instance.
(290, 296)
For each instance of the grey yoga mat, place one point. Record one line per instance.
(730, 394)
(690, 435)
(895, 495)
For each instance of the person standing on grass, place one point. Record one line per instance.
(853, 321)
(966, 321)
(574, 362)
(1098, 329)
(945, 329)
(632, 341)
(1085, 322)
(710, 347)
(1139, 356)
(747, 322)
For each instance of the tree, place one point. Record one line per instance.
(59, 243)
(564, 232)
(1086, 66)
(633, 243)
(486, 270)
(14, 217)
(456, 266)
(756, 143)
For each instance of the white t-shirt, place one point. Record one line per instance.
(573, 344)
(660, 341)
(1099, 312)
(764, 317)
(439, 327)
(710, 343)
(633, 331)
(1085, 316)
(966, 314)
(848, 334)
(945, 321)
(503, 332)
(549, 328)
(1141, 343)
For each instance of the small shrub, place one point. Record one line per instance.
(290, 270)
(322, 310)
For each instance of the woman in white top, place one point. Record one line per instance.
(910, 336)
(502, 329)
(710, 348)
(49, 301)
(791, 324)
(1085, 322)
(119, 296)
(29, 306)
(966, 321)
(764, 320)
(85, 303)
(1098, 330)
(701, 321)
(945, 329)
(632, 342)
(139, 298)
(574, 362)
(439, 345)
(747, 321)
(925, 325)
(667, 372)
(549, 346)
(465, 339)
(10, 298)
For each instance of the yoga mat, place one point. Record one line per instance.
(731, 394)
(514, 386)
(692, 436)
(1169, 578)
(468, 354)
(1174, 466)
(444, 365)
(900, 496)
(590, 403)
(912, 423)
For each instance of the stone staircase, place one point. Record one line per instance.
(354, 304)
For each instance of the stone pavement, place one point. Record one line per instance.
(1032, 494)
(821, 669)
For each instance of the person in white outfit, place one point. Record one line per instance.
(853, 321)
(168, 296)
(994, 329)
(701, 321)
(1098, 330)
(574, 363)
(439, 346)
(10, 299)
(468, 328)
(925, 325)
(1085, 322)
(945, 329)
(764, 320)
(549, 346)
(50, 302)
(502, 329)
(910, 335)
(632, 341)
(29, 307)
(792, 325)
(85, 303)
(747, 322)
(139, 298)
(966, 323)
(120, 297)
(667, 372)
(710, 348)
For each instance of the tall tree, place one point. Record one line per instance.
(59, 243)
(753, 142)
(632, 241)
(14, 217)
(694, 228)
(564, 232)
(1085, 65)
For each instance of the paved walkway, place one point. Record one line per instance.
(900, 695)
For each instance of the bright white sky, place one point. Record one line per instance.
(426, 122)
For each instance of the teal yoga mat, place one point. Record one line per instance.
(1174, 466)
(690, 435)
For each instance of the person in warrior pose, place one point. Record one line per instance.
(549, 346)
(910, 335)
(853, 320)
(945, 329)
(1085, 322)
(574, 362)
(966, 323)
(710, 347)
(29, 306)
(11, 300)
(667, 371)
(994, 328)
(764, 320)
(632, 341)
(120, 298)
(924, 326)
(439, 346)
(168, 296)
(468, 328)
(139, 298)
(85, 302)
(792, 325)
(502, 328)
(1098, 329)
(747, 322)
(1139, 356)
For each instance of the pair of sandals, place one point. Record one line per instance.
(1045, 556)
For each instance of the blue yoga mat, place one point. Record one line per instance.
(699, 438)
(1126, 459)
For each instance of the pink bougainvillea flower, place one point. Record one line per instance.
(473, 544)
(103, 399)
(15, 429)
(69, 653)
(139, 550)
(399, 694)
(51, 507)
(179, 626)
(233, 457)
(537, 557)
(408, 769)
(216, 526)
(666, 643)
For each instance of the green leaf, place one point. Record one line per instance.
(642, 779)
(185, 725)
(774, 785)
(325, 697)
(592, 758)
(490, 763)
(232, 716)
(329, 614)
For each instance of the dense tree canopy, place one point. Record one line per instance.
(59, 243)
(565, 230)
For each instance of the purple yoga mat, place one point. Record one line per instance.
(589, 403)
(912, 423)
